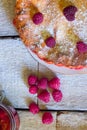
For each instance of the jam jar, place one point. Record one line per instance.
(9, 119)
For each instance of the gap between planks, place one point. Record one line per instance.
(12, 60)
(7, 10)
(15, 66)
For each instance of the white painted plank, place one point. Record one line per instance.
(15, 66)
(74, 89)
(72, 121)
(45, 72)
(6, 18)
(62, 121)
(29, 121)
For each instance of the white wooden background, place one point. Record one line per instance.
(15, 66)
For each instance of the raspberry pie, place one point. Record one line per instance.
(55, 30)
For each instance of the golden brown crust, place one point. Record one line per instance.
(66, 33)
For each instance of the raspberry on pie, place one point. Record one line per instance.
(51, 29)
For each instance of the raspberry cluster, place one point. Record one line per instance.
(43, 84)
(40, 87)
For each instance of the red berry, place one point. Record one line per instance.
(34, 108)
(44, 96)
(50, 42)
(47, 118)
(38, 18)
(33, 89)
(57, 95)
(81, 47)
(32, 80)
(54, 83)
(42, 84)
(69, 12)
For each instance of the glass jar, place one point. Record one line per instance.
(9, 119)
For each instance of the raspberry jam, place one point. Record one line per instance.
(9, 119)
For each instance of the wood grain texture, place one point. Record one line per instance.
(62, 121)
(6, 18)
(34, 122)
(72, 121)
(15, 66)
(73, 87)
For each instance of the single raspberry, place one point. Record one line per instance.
(32, 80)
(69, 12)
(33, 89)
(47, 118)
(42, 84)
(34, 108)
(57, 95)
(50, 42)
(44, 96)
(54, 83)
(37, 18)
(82, 47)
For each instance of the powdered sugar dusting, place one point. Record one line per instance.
(80, 25)
(54, 24)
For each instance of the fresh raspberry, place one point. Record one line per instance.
(42, 84)
(50, 42)
(33, 89)
(38, 18)
(32, 80)
(82, 47)
(47, 118)
(44, 96)
(57, 95)
(34, 108)
(54, 83)
(69, 12)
